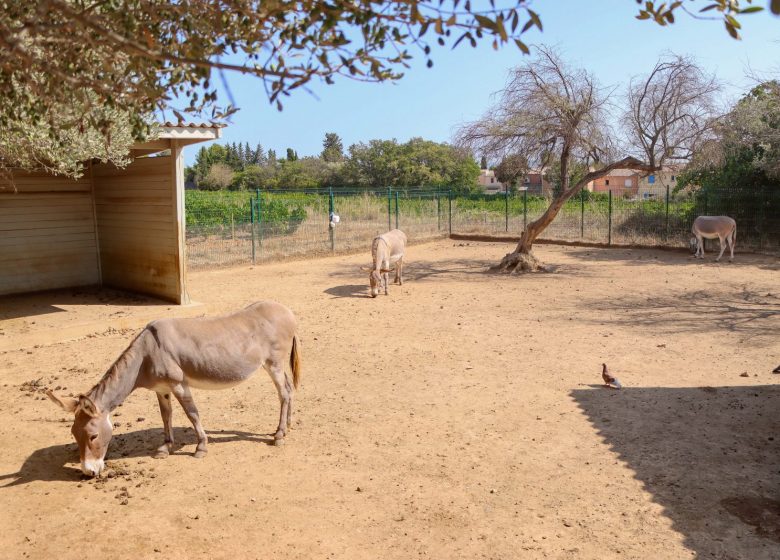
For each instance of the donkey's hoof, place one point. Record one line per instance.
(160, 454)
(278, 441)
(200, 453)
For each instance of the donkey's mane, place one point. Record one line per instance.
(120, 365)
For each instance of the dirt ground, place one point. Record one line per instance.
(459, 417)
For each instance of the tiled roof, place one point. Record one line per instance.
(193, 125)
(622, 173)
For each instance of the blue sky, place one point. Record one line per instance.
(602, 37)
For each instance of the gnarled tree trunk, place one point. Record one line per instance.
(522, 258)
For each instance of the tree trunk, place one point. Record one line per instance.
(522, 258)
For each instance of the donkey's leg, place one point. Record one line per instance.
(722, 242)
(732, 239)
(276, 371)
(290, 392)
(166, 410)
(183, 395)
(699, 246)
(399, 267)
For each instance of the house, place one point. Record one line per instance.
(653, 187)
(622, 182)
(489, 183)
(122, 228)
(534, 182)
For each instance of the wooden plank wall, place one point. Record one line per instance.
(47, 234)
(137, 226)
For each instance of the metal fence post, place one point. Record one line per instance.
(331, 229)
(506, 208)
(449, 197)
(389, 209)
(706, 212)
(764, 201)
(259, 220)
(666, 235)
(525, 209)
(609, 226)
(252, 225)
(582, 213)
(438, 211)
(396, 209)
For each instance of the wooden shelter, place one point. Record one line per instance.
(120, 228)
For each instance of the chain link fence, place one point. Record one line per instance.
(229, 228)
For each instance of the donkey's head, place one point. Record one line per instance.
(375, 279)
(92, 430)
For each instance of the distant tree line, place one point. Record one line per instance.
(377, 164)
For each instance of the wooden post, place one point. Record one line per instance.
(177, 157)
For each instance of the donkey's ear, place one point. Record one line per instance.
(67, 404)
(88, 406)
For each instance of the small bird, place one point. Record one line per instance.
(609, 381)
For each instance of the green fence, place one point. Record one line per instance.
(225, 228)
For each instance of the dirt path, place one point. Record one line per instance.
(460, 417)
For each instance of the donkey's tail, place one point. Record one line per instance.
(295, 361)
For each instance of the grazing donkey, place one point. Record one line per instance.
(386, 249)
(170, 356)
(710, 227)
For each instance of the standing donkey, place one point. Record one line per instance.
(171, 356)
(710, 227)
(386, 250)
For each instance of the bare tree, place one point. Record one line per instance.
(670, 112)
(550, 110)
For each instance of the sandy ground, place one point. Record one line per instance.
(459, 417)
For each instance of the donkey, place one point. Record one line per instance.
(386, 249)
(171, 356)
(710, 227)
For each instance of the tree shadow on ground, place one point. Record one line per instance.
(708, 455)
(459, 270)
(671, 257)
(748, 313)
(52, 463)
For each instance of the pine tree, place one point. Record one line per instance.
(240, 156)
(332, 148)
(291, 154)
(260, 156)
